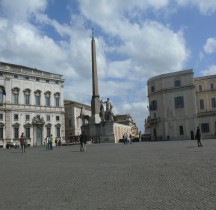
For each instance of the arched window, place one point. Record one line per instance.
(57, 99)
(37, 97)
(16, 130)
(2, 92)
(15, 95)
(27, 93)
(47, 98)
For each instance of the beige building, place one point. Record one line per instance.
(74, 119)
(172, 106)
(205, 90)
(78, 114)
(126, 119)
(33, 104)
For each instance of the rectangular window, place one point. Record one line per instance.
(27, 78)
(15, 76)
(215, 128)
(27, 99)
(1, 116)
(16, 117)
(37, 79)
(153, 105)
(48, 118)
(47, 101)
(37, 100)
(48, 131)
(58, 132)
(1, 97)
(179, 102)
(152, 88)
(1, 133)
(204, 127)
(181, 130)
(70, 123)
(16, 133)
(57, 118)
(213, 101)
(27, 133)
(57, 102)
(202, 104)
(47, 80)
(16, 98)
(177, 83)
(27, 117)
(200, 87)
(212, 86)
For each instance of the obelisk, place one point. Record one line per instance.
(95, 102)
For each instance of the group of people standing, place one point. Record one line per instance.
(49, 142)
(83, 139)
(127, 138)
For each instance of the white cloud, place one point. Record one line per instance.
(142, 48)
(20, 10)
(210, 71)
(148, 45)
(205, 7)
(210, 46)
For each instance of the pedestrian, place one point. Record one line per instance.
(125, 137)
(22, 142)
(47, 143)
(51, 142)
(130, 138)
(56, 142)
(198, 137)
(83, 140)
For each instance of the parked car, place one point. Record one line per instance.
(12, 145)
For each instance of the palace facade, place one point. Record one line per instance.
(32, 102)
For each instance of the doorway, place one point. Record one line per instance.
(39, 136)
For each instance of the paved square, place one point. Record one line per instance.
(149, 175)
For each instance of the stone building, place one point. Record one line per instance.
(205, 90)
(126, 119)
(172, 106)
(74, 118)
(178, 103)
(33, 104)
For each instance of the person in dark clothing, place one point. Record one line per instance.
(198, 137)
(83, 140)
(22, 142)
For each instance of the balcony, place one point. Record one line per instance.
(154, 121)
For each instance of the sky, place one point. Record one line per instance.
(135, 40)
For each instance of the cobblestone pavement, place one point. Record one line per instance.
(138, 176)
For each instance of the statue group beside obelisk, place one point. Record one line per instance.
(101, 122)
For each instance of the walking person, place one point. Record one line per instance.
(56, 142)
(22, 142)
(51, 142)
(83, 140)
(47, 143)
(130, 139)
(198, 137)
(125, 137)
